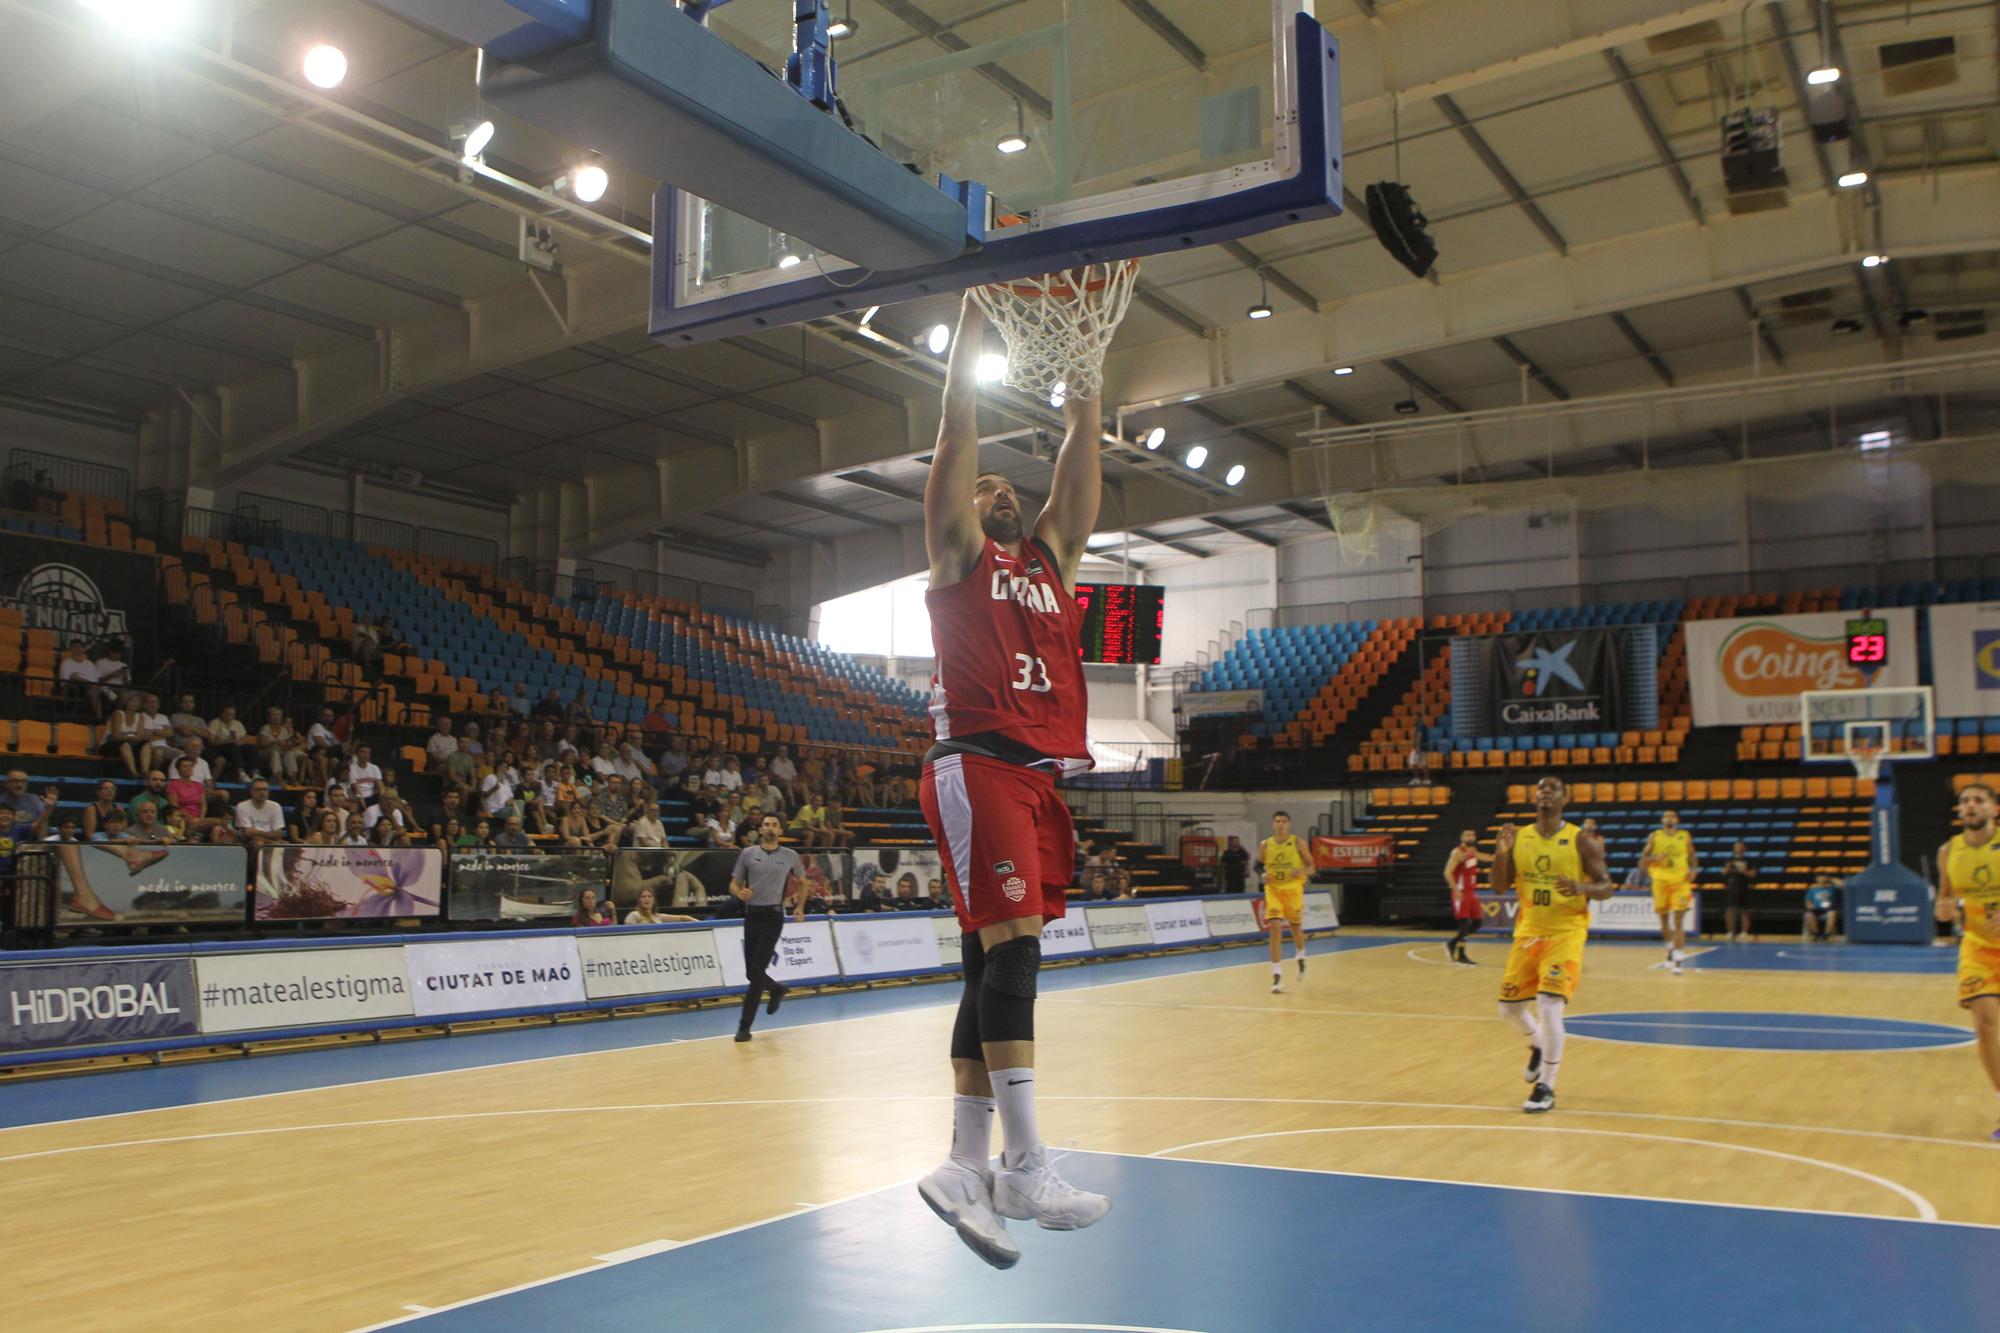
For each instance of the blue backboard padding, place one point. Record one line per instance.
(507, 29)
(663, 95)
(1314, 191)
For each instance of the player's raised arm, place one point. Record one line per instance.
(1076, 489)
(1501, 877)
(951, 526)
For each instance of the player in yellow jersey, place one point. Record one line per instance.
(1285, 861)
(1670, 862)
(1554, 869)
(1969, 881)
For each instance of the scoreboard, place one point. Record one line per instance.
(1121, 622)
(1868, 643)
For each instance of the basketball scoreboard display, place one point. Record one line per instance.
(1121, 622)
(1868, 643)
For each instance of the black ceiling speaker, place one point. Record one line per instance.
(1752, 150)
(1401, 226)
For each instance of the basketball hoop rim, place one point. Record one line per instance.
(1065, 291)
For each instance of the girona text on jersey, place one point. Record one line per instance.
(1020, 588)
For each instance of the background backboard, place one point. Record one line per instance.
(1134, 129)
(1895, 722)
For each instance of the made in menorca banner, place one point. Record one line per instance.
(1564, 680)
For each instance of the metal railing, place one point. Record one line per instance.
(592, 577)
(67, 474)
(293, 516)
(238, 527)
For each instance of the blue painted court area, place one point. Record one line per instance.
(1231, 1249)
(1800, 957)
(1740, 1030)
(191, 1084)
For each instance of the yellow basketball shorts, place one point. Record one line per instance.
(1284, 900)
(1978, 969)
(1539, 963)
(1672, 895)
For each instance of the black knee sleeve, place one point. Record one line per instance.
(1007, 991)
(965, 1029)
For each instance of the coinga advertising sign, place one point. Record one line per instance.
(1752, 669)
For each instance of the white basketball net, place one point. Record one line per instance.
(1866, 758)
(1058, 326)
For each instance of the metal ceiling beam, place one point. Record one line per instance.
(881, 486)
(1320, 400)
(1170, 309)
(910, 16)
(1312, 513)
(1484, 152)
(1654, 135)
(832, 511)
(1170, 543)
(1535, 372)
(1422, 385)
(1241, 529)
(693, 544)
(1643, 348)
(1776, 352)
(1244, 255)
(1776, 12)
(1164, 28)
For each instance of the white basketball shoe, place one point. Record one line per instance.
(962, 1196)
(1034, 1191)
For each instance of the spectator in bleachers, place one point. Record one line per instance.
(541, 814)
(324, 831)
(783, 772)
(363, 775)
(518, 703)
(645, 828)
(190, 728)
(154, 730)
(572, 744)
(114, 675)
(154, 793)
(721, 827)
(77, 675)
(441, 744)
(674, 760)
(808, 822)
(658, 723)
(512, 837)
(770, 798)
(325, 750)
(833, 826)
(105, 801)
(496, 789)
(549, 707)
(578, 713)
(148, 828)
(230, 739)
(611, 800)
(470, 742)
(7, 841)
(1095, 888)
(305, 815)
(1822, 917)
(197, 750)
(354, 833)
(643, 769)
(366, 649)
(604, 763)
(187, 792)
(260, 819)
(498, 705)
(123, 737)
(459, 771)
(1738, 879)
(575, 829)
(116, 827)
(727, 773)
(1235, 861)
(450, 836)
(450, 806)
(283, 751)
(586, 913)
(861, 786)
(900, 791)
(390, 806)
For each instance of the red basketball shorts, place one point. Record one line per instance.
(1008, 845)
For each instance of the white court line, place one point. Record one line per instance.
(1774, 1027)
(1666, 963)
(650, 1045)
(609, 1262)
(631, 1252)
(1010, 1327)
(1298, 1010)
(1925, 1211)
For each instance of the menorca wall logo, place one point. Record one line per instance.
(1986, 658)
(65, 599)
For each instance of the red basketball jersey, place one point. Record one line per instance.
(1009, 656)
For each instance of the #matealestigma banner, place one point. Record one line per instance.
(259, 989)
(322, 883)
(133, 885)
(1567, 680)
(49, 1005)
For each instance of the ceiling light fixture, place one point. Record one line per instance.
(1197, 456)
(1235, 475)
(1874, 261)
(1059, 394)
(992, 367)
(1016, 140)
(1823, 75)
(141, 18)
(1343, 370)
(1408, 408)
(472, 139)
(1846, 325)
(789, 261)
(1850, 179)
(589, 182)
(325, 66)
(868, 315)
(938, 339)
(1262, 310)
(845, 26)
(1155, 437)
(1913, 316)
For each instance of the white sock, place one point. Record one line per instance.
(1277, 970)
(971, 1130)
(1014, 1093)
(1551, 1007)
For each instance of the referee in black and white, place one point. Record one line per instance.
(768, 878)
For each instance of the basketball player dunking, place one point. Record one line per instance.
(1969, 879)
(1008, 702)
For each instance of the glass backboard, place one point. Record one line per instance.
(1886, 724)
(1100, 129)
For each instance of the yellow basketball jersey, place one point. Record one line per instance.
(1284, 863)
(1671, 849)
(1975, 876)
(1538, 863)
